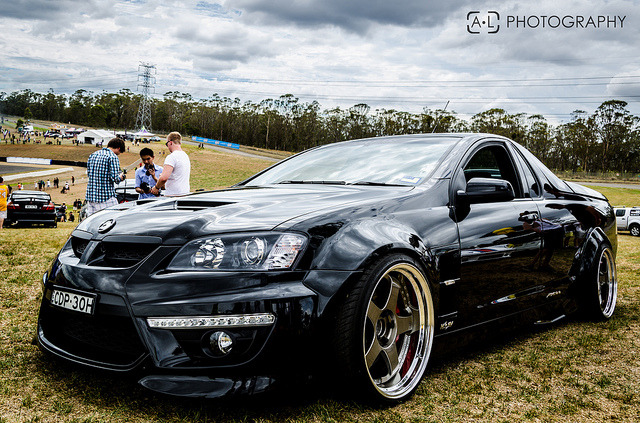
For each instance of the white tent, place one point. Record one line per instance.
(95, 136)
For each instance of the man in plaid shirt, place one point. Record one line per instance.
(103, 171)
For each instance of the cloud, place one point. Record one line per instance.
(353, 15)
(222, 45)
(55, 9)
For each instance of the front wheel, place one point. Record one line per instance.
(635, 230)
(385, 329)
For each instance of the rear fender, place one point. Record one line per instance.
(586, 256)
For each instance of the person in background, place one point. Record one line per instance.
(62, 213)
(176, 171)
(103, 171)
(147, 175)
(4, 195)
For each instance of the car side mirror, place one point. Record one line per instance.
(486, 190)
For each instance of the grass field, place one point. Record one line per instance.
(574, 371)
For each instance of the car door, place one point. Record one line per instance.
(621, 219)
(499, 240)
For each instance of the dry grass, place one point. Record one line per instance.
(575, 371)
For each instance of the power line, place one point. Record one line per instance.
(417, 98)
(73, 78)
(417, 81)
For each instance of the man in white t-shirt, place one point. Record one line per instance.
(176, 171)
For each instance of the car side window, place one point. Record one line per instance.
(531, 185)
(492, 162)
(620, 212)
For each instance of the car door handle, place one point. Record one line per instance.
(530, 216)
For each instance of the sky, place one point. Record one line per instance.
(547, 57)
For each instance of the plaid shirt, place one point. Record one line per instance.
(103, 170)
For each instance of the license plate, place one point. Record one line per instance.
(30, 206)
(72, 301)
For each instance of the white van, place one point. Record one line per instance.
(628, 219)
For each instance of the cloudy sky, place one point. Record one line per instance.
(551, 57)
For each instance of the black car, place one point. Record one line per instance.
(31, 207)
(126, 191)
(352, 259)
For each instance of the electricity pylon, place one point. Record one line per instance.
(146, 81)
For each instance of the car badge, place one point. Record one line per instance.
(106, 226)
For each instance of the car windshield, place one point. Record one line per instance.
(404, 162)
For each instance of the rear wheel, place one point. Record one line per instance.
(635, 230)
(602, 286)
(385, 330)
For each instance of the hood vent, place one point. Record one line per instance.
(187, 204)
(198, 204)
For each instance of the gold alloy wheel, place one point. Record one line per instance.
(398, 330)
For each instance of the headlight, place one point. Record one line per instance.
(259, 251)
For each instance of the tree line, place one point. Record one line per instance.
(604, 141)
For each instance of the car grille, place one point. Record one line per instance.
(113, 254)
(108, 339)
(78, 245)
(116, 254)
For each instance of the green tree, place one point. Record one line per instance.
(28, 115)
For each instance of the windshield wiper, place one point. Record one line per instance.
(313, 182)
(378, 184)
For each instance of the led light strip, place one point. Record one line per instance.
(205, 322)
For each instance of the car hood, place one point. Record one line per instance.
(177, 220)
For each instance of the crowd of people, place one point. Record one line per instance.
(104, 173)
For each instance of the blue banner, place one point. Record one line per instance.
(216, 142)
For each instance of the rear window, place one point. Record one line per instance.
(555, 182)
(20, 196)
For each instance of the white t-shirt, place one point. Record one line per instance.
(178, 182)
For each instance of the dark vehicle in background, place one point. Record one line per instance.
(49, 134)
(30, 207)
(126, 137)
(126, 191)
(350, 260)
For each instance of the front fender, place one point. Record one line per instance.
(354, 246)
(353, 249)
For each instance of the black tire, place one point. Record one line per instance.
(384, 330)
(635, 229)
(601, 286)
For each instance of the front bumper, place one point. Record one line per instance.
(180, 361)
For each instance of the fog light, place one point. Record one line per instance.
(221, 343)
